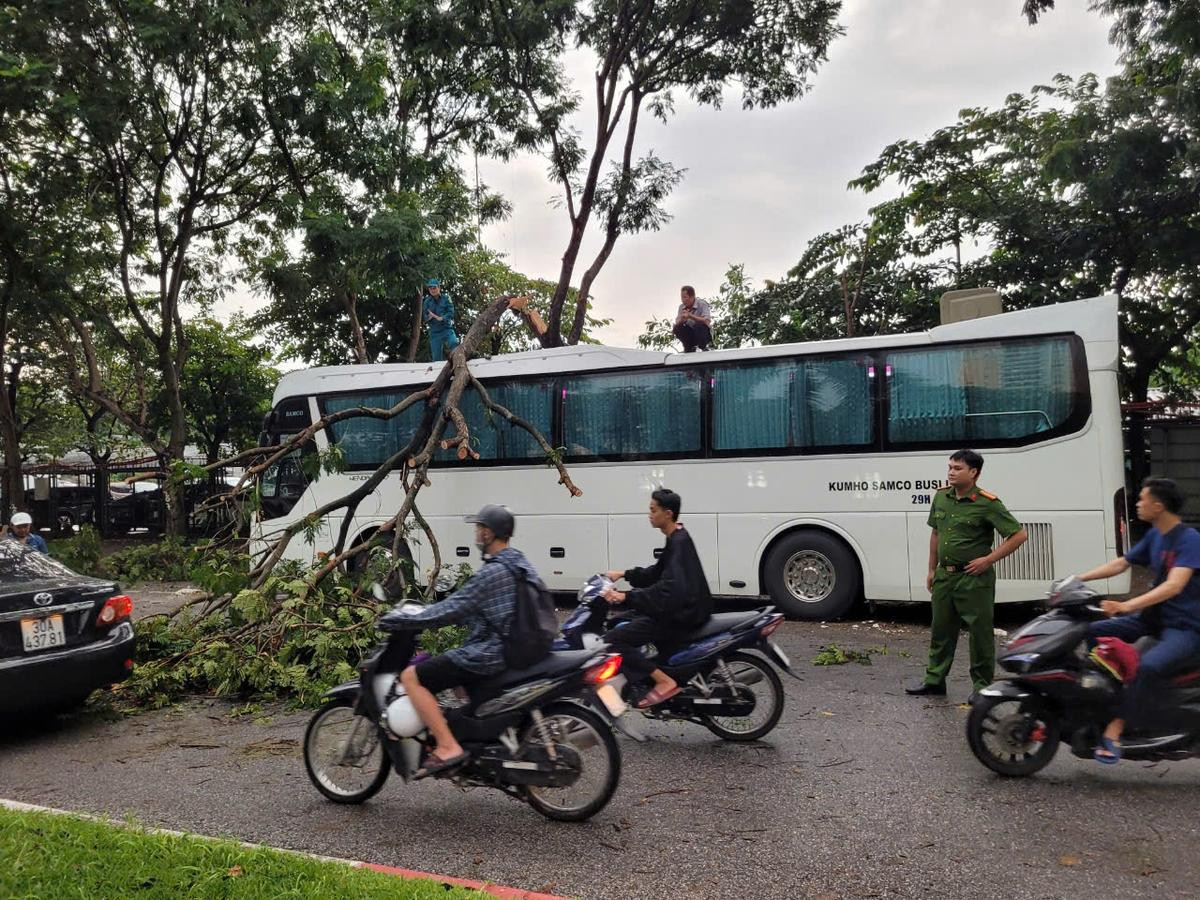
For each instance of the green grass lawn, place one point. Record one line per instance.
(52, 856)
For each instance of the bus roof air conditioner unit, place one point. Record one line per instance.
(972, 303)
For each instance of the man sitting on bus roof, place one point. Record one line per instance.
(693, 321)
(486, 605)
(670, 596)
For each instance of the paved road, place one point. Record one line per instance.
(860, 792)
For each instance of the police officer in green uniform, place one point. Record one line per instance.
(961, 578)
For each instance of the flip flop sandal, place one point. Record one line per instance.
(435, 764)
(1109, 752)
(657, 696)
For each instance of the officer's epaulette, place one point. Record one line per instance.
(987, 494)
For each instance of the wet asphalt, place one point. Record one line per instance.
(861, 791)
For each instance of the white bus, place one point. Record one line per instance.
(806, 470)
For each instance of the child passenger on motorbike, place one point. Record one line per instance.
(669, 597)
(1169, 611)
(485, 604)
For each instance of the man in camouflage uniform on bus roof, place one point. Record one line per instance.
(961, 579)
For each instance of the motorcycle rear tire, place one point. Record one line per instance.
(772, 679)
(1010, 768)
(613, 778)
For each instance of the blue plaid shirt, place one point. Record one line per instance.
(485, 604)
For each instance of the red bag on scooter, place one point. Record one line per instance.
(1117, 657)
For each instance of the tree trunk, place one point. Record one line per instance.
(174, 505)
(350, 304)
(414, 339)
(101, 492)
(553, 335)
(13, 487)
(174, 514)
(10, 435)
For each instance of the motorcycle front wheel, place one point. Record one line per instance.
(599, 764)
(343, 753)
(753, 678)
(1014, 738)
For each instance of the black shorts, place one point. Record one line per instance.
(439, 673)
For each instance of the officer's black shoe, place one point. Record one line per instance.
(938, 690)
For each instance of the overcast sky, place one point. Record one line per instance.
(759, 185)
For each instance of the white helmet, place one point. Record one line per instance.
(22, 518)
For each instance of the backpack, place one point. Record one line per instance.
(534, 625)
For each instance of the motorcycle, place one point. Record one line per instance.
(542, 735)
(1059, 691)
(735, 694)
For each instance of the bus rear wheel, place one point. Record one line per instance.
(812, 575)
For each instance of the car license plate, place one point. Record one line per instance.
(42, 634)
(783, 658)
(611, 699)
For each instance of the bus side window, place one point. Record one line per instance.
(632, 414)
(973, 393)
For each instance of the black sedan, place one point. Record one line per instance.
(62, 635)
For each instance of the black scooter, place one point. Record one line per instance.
(1057, 692)
(735, 694)
(542, 735)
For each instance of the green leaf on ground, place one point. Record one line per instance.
(833, 655)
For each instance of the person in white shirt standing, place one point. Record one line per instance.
(693, 322)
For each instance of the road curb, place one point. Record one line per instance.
(496, 890)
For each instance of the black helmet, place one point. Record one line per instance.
(497, 519)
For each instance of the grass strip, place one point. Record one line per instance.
(44, 855)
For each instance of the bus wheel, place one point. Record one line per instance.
(812, 575)
(380, 546)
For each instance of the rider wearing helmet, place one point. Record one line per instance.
(1170, 610)
(669, 597)
(485, 605)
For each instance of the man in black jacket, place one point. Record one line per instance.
(669, 597)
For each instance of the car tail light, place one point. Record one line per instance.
(769, 628)
(602, 672)
(115, 609)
